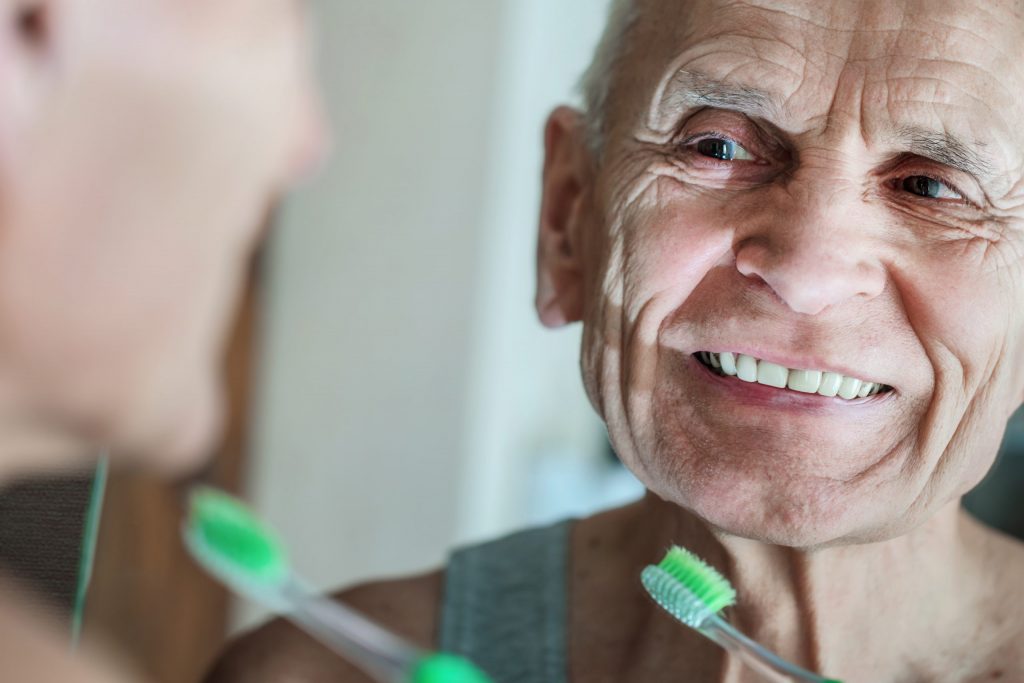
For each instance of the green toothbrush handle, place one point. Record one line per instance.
(446, 668)
(372, 648)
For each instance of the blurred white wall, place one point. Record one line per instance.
(526, 399)
(409, 400)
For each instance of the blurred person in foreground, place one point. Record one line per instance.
(141, 145)
(828, 190)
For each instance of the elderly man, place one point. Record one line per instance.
(141, 143)
(793, 232)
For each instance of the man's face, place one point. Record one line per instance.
(141, 145)
(832, 187)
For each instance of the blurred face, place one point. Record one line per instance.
(141, 143)
(798, 260)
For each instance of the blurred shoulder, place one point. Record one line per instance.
(34, 646)
(278, 651)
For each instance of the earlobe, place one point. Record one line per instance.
(560, 289)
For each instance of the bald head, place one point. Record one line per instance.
(831, 188)
(658, 19)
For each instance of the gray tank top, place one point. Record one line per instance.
(505, 605)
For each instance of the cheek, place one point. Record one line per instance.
(659, 252)
(115, 288)
(963, 302)
(671, 243)
(965, 310)
(122, 333)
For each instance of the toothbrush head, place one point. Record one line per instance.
(230, 542)
(447, 668)
(688, 588)
(692, 591)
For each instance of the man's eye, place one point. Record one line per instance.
(723, 149)
(923, 186)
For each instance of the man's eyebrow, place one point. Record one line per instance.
(686, 90)
(946, 148)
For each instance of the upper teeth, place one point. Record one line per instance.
(750, 369)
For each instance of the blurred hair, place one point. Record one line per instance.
(598, 80)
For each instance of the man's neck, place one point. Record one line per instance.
(904, 600)
(891, 597)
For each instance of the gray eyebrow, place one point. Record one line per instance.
(689, 89)
(946, 148)
(685, 90)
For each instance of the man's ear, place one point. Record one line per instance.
(567, 176)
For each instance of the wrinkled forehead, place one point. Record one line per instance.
(951, 68)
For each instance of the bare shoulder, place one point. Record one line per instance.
(279, 651)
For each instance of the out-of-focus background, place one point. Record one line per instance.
(392, 392)
(409, 400)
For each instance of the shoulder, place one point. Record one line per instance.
(278, 651)
(34, 648)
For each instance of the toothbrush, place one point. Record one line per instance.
(228, 540)
(695, 593)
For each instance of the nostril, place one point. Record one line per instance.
(748, 256)
(30, 21)
(805, 276)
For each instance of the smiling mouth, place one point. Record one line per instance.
(823, 383)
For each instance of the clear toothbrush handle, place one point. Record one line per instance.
(378, 652)
(756, 656)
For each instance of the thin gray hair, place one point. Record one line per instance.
(597, 82)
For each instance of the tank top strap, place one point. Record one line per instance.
(505, 605)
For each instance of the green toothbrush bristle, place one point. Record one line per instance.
(690, 590)
(700, 578)
(445, 668)
(687, 588)
(233, 539)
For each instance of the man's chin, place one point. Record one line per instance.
(804, 528)
(791, 518)
(808, 537)
(180, 443)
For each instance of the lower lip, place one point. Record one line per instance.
(762, 395)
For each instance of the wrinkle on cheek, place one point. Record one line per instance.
(663, 239)
(667, 242)
(968, 451)
(1009, 276)
(954, 437)
(621, 361)
(628, 183)
(612, 319)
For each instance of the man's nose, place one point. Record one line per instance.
(813, 257)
